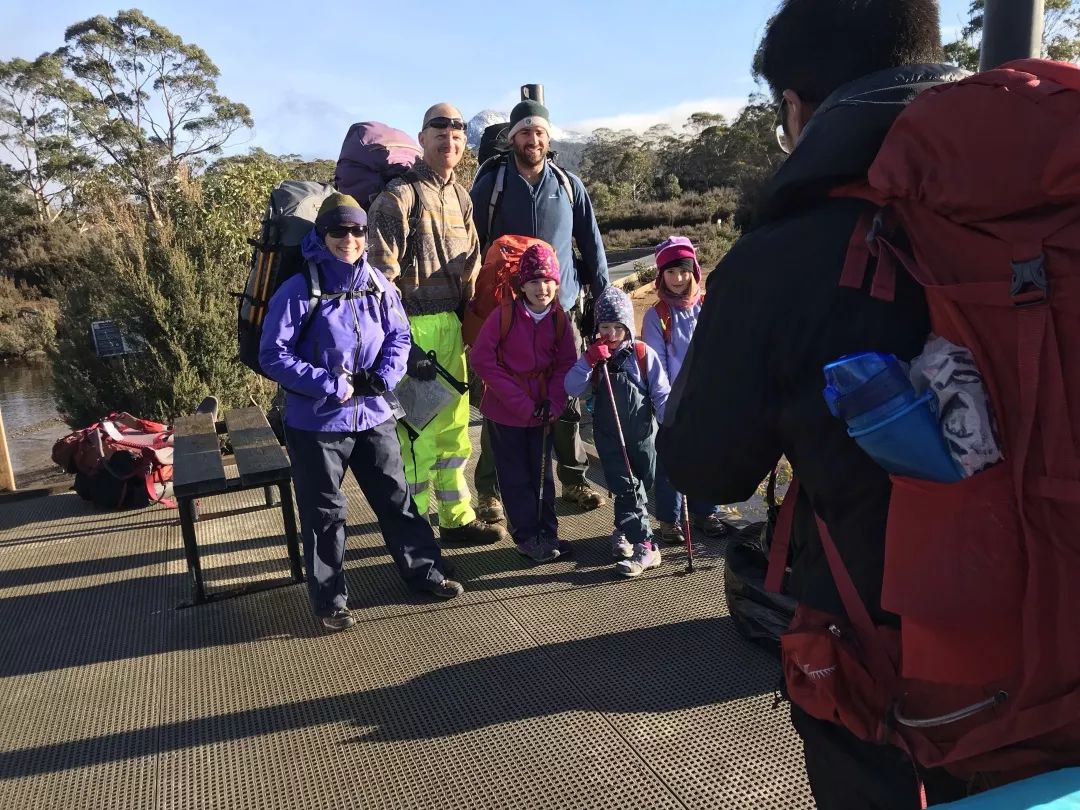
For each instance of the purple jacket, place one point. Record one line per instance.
(367, 331)
(511, 393)
(671, 354)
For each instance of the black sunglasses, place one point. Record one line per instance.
(341, 231)
(442, 122)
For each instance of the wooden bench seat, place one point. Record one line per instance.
(199, 472)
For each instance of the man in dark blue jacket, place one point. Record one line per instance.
(527, 194)
(749, 390)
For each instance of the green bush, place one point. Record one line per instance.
(27, 322)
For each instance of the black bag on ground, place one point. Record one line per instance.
(759, 615)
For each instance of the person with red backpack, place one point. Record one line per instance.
(750, 388)
(522, 354)
(629, 388)
(667, 327)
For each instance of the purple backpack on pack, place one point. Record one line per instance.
(372, 155)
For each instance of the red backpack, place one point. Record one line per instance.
(976, 194)
(121, 461)
(493, 285)
(663, 312)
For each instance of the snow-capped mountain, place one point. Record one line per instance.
(480, 121)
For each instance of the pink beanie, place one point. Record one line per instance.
(538, 261)
(674, 249)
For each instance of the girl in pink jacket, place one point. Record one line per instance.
(522, 354)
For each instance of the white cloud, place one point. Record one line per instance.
(674, 116)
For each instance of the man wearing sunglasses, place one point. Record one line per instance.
(530, 196)
(422, 238)
(750, 388)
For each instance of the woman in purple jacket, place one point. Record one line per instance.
(523, 372)
(334, 367)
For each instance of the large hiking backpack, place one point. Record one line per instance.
(494, 141)
(372, 155)
(494, 282)
(290, 214)
(984, 673)
(120, 462)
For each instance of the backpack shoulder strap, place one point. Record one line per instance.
(416, 210)
(564, 181)
(496, 196)
(315, 295)
(663, 312)
(640, 353)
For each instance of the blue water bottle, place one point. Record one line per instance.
(896, 427)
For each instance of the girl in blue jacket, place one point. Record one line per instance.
(667, 328)
(640, 390)
(334, 364)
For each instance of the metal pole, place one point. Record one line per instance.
(1012, 29)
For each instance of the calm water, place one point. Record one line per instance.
(30, 418)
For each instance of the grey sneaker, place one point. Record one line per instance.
(538, 550)
(583, 495)
(621, 548)
(671, 533)
(490, 509)
(644, 558)
(340, 619)
(713, 525)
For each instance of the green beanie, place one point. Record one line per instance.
(340, 209)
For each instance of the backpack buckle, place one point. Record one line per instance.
(1029, 283)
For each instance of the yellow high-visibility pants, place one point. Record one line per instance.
(435, 462)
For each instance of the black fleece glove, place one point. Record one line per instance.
(367, 383)
(543, 412)
(419, 366)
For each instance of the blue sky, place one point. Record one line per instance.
(307, 72)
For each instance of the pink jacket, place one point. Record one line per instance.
(511, 393)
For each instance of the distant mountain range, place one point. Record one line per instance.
(568, 145)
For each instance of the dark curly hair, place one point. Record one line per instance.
(815, 46)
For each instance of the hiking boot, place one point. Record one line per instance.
(490, 509)
(564, 547)
(712, 525)
(644, 558)
(620, 546)
(447, 589)
(340, 619)
(583, 495)
(538, 550)
(671, 533)
(476, 533)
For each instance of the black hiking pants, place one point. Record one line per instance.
(319, 461)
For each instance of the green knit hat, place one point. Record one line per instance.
(529, 113)
(340, 209)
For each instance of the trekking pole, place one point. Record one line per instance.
(618, 423)
(544, 411)
(686, 532)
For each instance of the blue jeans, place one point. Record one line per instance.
(669, 501)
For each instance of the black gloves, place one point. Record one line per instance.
(543, 412)
(419, 365)
(366, 383)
